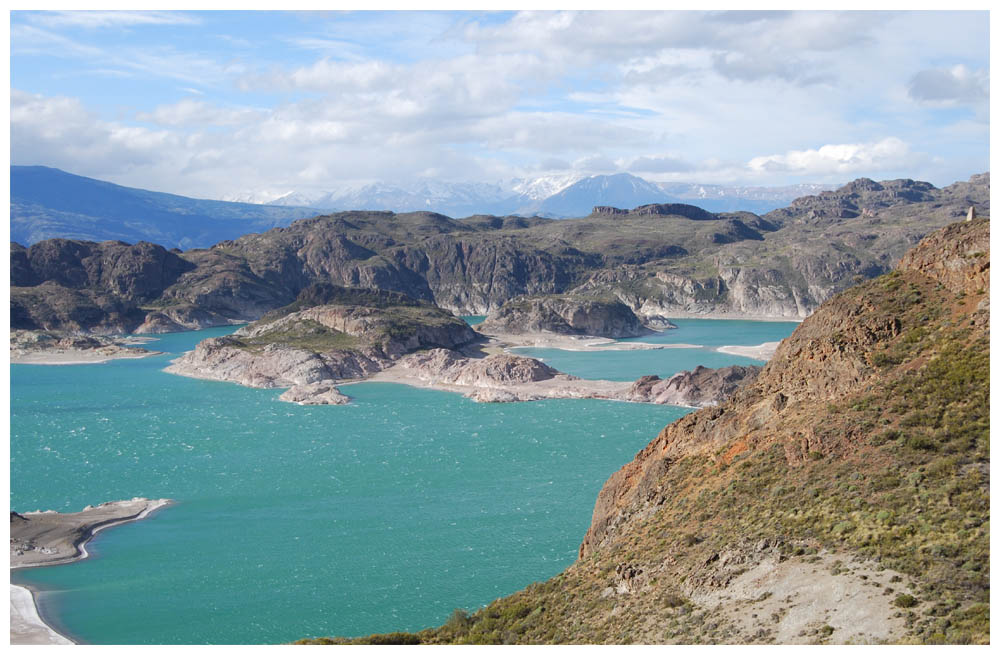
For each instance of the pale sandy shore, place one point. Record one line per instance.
(68, 357)
(731, 316)
(577, 343)
(560, 386)
(48, 538)
(764, 351)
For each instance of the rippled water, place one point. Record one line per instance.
(384, 514)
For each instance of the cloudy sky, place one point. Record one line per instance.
(212, 104)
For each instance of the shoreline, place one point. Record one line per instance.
(27, 627)
(764, 351)
(73, 359)
(576, 343)
(734, 317)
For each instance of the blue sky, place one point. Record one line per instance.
(214, 104)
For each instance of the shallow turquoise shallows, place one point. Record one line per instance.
(707, 334)
(381, 515)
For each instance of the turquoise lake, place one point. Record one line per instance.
(290, 522)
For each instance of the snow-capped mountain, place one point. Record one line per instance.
(558, 196)
(541, 188)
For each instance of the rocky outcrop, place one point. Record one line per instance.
(564, 315)
(832, 354)
(702, 387)
(317, 393)
(305, 345)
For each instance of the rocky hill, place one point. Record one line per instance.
(840, 497)
(562, 314)
(660, 260)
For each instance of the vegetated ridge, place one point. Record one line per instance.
(840, 497)
(660, 260)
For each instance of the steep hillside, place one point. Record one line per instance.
(660, 260)
(49, 203)
(842, 496)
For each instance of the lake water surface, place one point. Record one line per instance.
(290, 522)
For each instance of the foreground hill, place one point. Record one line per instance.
(49, 203)
(660, 260)
(842, 496)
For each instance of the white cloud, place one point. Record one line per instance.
(950, 86)
(114, 19)
(196, 112)
(845, 159)
(60, 132)
(660, 164)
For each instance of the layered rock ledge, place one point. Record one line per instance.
(566, 315)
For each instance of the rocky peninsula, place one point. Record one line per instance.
(334, 335)
(45, 538)
(41, 347)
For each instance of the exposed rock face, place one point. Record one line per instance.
(494, 371)
(318, 393)
(564, 315)
(702, 387)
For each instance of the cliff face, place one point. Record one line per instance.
(842, 496)
(564, 315)
(660, 260)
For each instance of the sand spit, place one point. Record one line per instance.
(491, 389)
(763, 352)
(47, 538)
(65, 358)
(55, 348)
(576, 343)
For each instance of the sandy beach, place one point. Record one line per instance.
(47, 538)
(763, 352)
(560, 386)
(577, 343)
(68, 357)
(53, 348)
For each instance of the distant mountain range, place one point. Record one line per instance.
(555, 196)
(48, 203)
